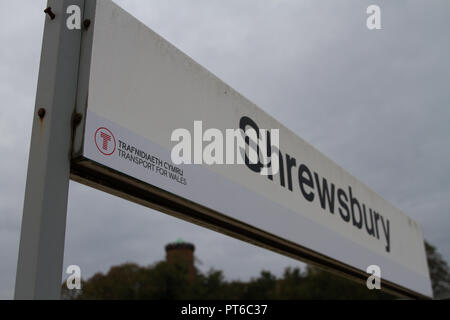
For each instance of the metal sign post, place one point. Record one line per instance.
(41, 252)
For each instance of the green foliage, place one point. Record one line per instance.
(167, 281)
(324, 285)
(439, 272)
(172, 281)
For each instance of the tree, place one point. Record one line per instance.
(130, 281)
(439, 272)
(261, 288)
(319, 284)
(172, 281)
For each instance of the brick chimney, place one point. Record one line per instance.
(183, 253)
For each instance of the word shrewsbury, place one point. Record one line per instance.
(313, 187)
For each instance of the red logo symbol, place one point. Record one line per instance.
(105, 141)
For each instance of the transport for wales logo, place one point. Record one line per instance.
(105, 141)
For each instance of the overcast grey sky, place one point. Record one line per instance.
(376, 102)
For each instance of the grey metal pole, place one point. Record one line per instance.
(41, 252)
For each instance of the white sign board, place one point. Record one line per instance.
(139, 89)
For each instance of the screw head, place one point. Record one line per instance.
(50, 12)
(41, 113)
(86, 23)
(77, 118)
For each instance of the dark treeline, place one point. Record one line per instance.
(173, 281)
